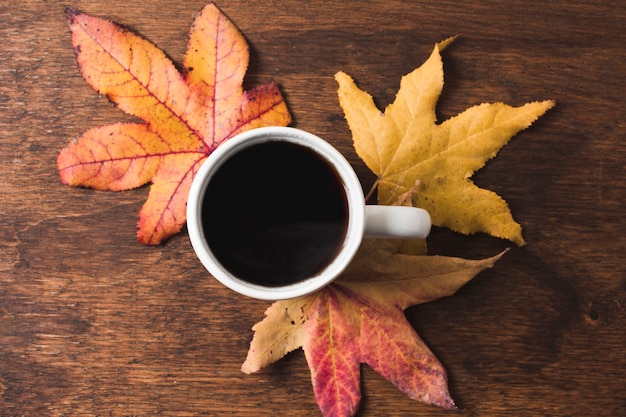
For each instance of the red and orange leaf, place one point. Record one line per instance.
(331, 354)
(360, 319)
(185, 116)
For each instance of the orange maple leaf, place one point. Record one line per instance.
(186, 115)
(360, 319)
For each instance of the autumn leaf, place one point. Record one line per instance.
(186, 116)
(359, 319)
(405, 144)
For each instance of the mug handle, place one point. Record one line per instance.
(398, 222)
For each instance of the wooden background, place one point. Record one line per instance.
(92, 323)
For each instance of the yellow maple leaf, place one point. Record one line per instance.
(405, 144)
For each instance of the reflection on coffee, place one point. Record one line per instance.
(275, 213)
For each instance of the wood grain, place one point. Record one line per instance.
(92, 323)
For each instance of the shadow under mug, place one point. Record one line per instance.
(277, 213)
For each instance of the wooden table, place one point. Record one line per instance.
(92, 323)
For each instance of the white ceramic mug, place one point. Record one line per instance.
(246, 188)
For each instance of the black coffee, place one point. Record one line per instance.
(275, 213)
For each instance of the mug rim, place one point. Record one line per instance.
(354, 196)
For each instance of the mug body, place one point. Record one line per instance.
(249, 206)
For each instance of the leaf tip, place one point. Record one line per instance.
(71, 13)
(247, 368)
(61, 166)
(445, 402)
(149, 234)
(341, 77)
(149, 240)
(444, 43)
(543, 105)
(549, 104)
(490, 262)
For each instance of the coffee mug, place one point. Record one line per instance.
(276, 213)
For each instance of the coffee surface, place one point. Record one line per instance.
(275, 213)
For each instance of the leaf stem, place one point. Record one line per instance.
(371, 191)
